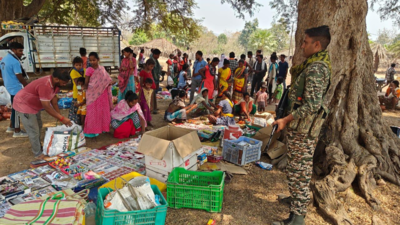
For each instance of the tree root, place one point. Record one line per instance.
(365, 177)
(339, 179)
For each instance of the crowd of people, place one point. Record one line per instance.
(391, 98)
(218, 90)
(219, 86)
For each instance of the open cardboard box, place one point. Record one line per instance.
(276, 148)
(169, 147)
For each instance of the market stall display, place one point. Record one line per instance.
(162, 155)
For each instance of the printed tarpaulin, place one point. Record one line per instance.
(46, 212)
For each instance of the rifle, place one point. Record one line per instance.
(279, 114)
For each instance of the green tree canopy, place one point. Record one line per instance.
(249, 28)
(282, 35)
(263, 39)
(222, 39)
(138, 38)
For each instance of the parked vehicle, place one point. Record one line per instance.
(49, 47)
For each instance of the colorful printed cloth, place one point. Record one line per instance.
(134, 117)
(122, 112)
(208, 82)
(98, 116)
(125, 72)
(99, 82)
(56, 212)
(225, 76)
(131, 86)
(180, 114)
(239, 79)
(145, 102)
(79, 100)
(98, 101)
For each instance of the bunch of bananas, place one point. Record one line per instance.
(12, 23)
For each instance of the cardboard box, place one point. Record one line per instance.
(162, 175)
(275, 150)
(169, 147)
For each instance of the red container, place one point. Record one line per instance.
(214, 159)
(234, 130)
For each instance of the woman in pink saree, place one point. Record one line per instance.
(127, 117)
(127, 74)
(98, 98)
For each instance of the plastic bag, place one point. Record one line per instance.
(65, 103)
(135, 195)
(170, 81)
(5, 97)
(62, 138)
(265, 166)
(145, 195)
(215, 93)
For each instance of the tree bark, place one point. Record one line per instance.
(15, 9)
(356, 146)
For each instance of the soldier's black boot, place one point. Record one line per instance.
(293, 219)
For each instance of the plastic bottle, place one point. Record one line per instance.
(90, 209)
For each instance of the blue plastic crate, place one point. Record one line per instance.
(241, 155)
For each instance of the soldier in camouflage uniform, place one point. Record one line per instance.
(305, 116)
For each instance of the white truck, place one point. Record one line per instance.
(50, 47)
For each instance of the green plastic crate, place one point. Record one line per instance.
(253, 127)
(196, 190)
(154, 216)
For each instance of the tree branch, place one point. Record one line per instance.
(33, 8)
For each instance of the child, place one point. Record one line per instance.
(177, 111)
(278, 91)
(127, 117)
(183, 77)
(81, 100)
(146, 73)
(82, 52)
(77, 72)
(262, 98)
(146, 102)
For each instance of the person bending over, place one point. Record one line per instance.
(223, 115)
(177, 111)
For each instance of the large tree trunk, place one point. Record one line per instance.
(356, 146)
(15, 9)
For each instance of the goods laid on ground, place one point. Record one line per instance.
(126, 180)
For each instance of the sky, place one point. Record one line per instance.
(220, 18)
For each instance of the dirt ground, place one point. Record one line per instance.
(248, 199)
